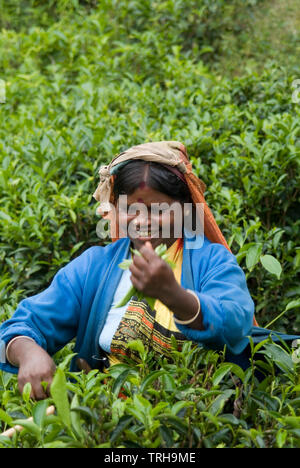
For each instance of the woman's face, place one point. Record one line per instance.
(151, 216)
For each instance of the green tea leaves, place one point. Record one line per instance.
(133, 291)
(253, 256)
(220, 373)
(271, 264)
(59, 394)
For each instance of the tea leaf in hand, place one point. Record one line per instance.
(160, 251)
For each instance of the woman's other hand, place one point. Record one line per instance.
(35, 366)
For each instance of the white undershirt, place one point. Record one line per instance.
(114, 315)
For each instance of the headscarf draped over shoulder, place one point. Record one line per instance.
(167, 153)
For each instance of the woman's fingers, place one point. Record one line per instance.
(150, 273)
(136, 271)
(39, 371)
(148, 252)
(37, 390)
(139, 262)
(137, 283)
(149, 257)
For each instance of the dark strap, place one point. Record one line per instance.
(101, 361)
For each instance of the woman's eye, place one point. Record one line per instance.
(153, 211)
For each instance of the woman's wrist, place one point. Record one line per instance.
(194, 317)
(170, 293)
(18, 348)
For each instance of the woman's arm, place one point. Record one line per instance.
(185, 306)
(51, 317)
(227, 308)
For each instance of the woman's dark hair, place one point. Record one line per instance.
(131, 175)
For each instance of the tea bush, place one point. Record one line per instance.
(195, 399)
(85, 80)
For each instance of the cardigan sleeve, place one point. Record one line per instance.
(226, 305)
(50, 317)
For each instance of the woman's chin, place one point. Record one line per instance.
(140, 241)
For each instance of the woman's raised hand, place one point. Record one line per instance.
(152, 275)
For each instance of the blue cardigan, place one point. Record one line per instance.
(80, 295)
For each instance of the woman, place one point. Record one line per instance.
(204, 298)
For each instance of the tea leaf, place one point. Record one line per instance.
(271, 264)
(150, 379)
(220, 373)
(59, 394)
(30, 426)
(39, 412)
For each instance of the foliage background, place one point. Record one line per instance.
(86, 79)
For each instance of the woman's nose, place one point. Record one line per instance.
(142, 221)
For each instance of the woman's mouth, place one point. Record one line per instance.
(145, 234)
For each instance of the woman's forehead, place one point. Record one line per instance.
(146, 194)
